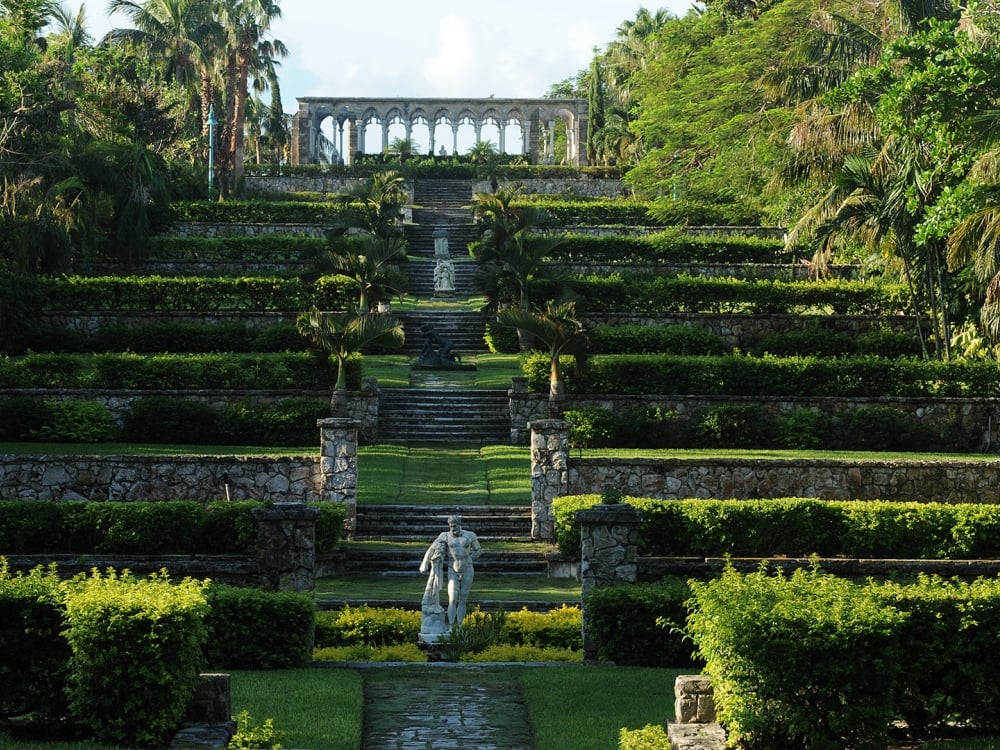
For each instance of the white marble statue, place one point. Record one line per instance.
(444, 277)
(451, 555)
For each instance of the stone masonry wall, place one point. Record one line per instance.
(950, 482)
(149, 478)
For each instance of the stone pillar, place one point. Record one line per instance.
(352, 142)
(339, 464)
(454, 138)
(286, 546)
(385, 136)
(549, 472)
(440, 236)
(503, 138)
(695, 726)
(529, 141)
(362, 126)
(609, 548)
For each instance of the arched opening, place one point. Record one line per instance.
(372, 128)
(513, 134)
(420, 135)
(444, 137)
(466, 134)
(490, 131)
(326, 141)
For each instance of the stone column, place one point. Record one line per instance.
(385, 136)
(529, 141)
(609, 548)
(339, 464)
(352, 141)
(454, 138)
(503, 138)
(549, 472)
(286, 546)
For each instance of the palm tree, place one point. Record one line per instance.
(343, 334)
(370, 263)
(631, 49)
(558, 327)
(376, 207)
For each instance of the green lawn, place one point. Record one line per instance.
(373, 587)
(494, 371)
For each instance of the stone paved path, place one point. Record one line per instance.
(444, 708)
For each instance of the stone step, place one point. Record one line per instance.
(420, 237)
(392, 562)
(429, 415)
(415, 523)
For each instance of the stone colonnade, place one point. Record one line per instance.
(536, 119)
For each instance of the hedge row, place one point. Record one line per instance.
(672, 246)
(121, 656)
(30, 527)
(650, 294)
(128, 371)
(194, 293)
(805, 377)
(816, 661)
(163, 337)
(589, 211)
(163, 420)
(256, 212)
(757, 425)
(260, 248)
(799, 527)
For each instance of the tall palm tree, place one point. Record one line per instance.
(631, 49)
(246, 24)
(375, 207)
(370, 263)
(558, 327)
(343, 334)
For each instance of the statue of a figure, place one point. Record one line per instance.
(437, 349)
(444, 277)
(458, 550)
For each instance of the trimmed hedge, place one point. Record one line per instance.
(30, 527)
(149, 294)
(650, 294)
(798, 527)
(256, 212)
(136, 655)
(253, 629)
(640, 339)
(673, 247)
(127, 371)
(266, 247)
(798, 377)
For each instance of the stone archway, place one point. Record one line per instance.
(533, 119)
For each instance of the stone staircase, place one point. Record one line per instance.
(439, 415)
(419, 523)
(464, 329)
(441, 204)
(420, 239)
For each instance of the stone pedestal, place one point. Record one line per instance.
(286, 546)
(339, 464)
(695, 726)
(549, 472)
(609, 550)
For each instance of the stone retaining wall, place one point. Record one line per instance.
(924, 481)
(149, 478)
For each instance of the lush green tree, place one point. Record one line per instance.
(595, 109)
(560, 330)
(346, 333)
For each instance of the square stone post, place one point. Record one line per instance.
(339, 464)
(609, 551)
(286, 546)
(549, 472)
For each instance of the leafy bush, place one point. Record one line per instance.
(255, 212)
(136, 654)
(559, 628)
(639, 625)
(803, 429)
(479, 631)
(253, 629)
(408, 652)
(33, 652)
(671, 246)
(71, 421)
(501, 339)
(591, 427)
(268, 247)
(250, 736)
(807, 661)
(503, 652)
(649, 737)
(365, 625)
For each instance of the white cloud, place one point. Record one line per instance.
(451, 69)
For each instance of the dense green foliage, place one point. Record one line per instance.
(175, 527)
(799, 527)
(268, 247)
(193, 293)
(769, 376)
(136, 654)
(671, 246)
(253, 629)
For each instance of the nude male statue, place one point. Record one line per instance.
(458, 549)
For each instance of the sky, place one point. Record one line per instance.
(434, 48)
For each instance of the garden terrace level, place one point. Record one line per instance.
(522, 126)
